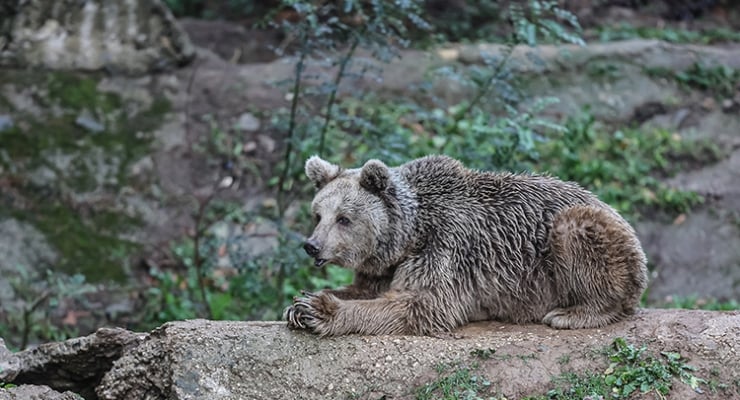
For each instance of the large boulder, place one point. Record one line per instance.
(34, 392)
(202, 359)
(264, 360)
(125, 36)
(75, 365)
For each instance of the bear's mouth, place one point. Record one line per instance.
(319, 262)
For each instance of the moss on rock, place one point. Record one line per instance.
(68, 178)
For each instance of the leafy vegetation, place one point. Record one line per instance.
(318, 30)
(34, 315)
(631, 370)
(466, 21)
(462, 130)
(254, 288)
(460, 383)
(719, 80)
(697, 303)
(626, 31)
(622, 166)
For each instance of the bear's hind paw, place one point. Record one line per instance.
(580, 317)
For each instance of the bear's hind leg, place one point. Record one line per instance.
(578, 317)
(599, 268)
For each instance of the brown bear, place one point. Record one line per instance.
(435, 245)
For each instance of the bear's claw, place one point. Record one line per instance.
(310, 312)
(293, 317)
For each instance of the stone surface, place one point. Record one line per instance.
(76, 365)
(21, 247)
(36, 392)
(244, 242)
(86, 121)
(233, 42)
(125, 36)
(6, 122)
(248, 122)
(264, 360)
(700, 254)
(648, 53)
(24, 246)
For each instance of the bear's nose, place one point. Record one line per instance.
(311, 248)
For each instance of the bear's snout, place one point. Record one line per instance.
(312, 248)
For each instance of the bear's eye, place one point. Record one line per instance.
(342, 220)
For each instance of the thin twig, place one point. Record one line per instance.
(483, 90)
(27, 317)
(291, 126)
(199, 231)
(197, 259)
(333, 95)
(187, 108)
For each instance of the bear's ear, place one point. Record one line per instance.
(375, 177)
(321, 172)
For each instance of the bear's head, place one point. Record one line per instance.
(358, 215)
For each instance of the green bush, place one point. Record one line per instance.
(625, 31)
(253, 288)
(719, 80)
(33, 315)
(457, 384)
(631, 371)
(622, 166)
(697, 303)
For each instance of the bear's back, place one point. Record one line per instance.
(444, 179)
(466, 206)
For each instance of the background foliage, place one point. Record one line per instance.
(498, 126)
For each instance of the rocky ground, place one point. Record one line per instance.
(252, 360)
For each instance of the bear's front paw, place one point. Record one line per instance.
(314, 311)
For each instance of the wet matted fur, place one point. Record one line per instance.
(435, 245)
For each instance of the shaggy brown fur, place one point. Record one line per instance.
(435, 245)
